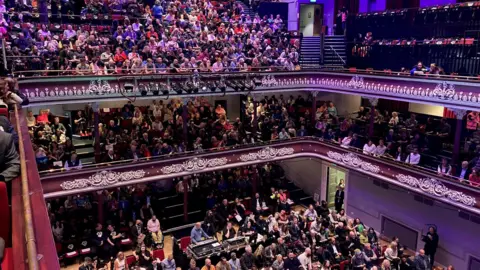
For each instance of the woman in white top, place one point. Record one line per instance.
(394, 120)
(346, 141)
(6, 95)
(444, 168)
(369, 148)
(120, 262)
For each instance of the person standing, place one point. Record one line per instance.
(431, 244)
(339, 197)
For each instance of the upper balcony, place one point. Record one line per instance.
(449, 91)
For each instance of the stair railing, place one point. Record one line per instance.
(338, 55)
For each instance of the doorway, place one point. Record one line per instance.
(311, 20)
(335, 177)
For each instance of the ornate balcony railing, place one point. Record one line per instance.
(33, 248)
(102, 176)
(452, 92)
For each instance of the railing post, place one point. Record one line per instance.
(96, 131)
(185, 125)
(459, 113)
(185, 199)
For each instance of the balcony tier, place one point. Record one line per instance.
(443, 91)
(413, 178)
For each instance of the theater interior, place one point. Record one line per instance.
(240, 135)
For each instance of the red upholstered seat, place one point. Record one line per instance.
(4, 213)
(131, 260)
(184, 242)
(159, 253)
(7, 263)
(4, 112)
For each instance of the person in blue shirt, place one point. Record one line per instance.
(157, 10)
(197, 233)
(419, 68)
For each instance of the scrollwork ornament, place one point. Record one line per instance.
(353, 160)
(102, 179)
(267, 153)
(194, 164)
(436, 188)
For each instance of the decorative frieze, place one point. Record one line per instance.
(102, 179)
(193, 165)
(354, 161)
(436, 188)
(267, 153)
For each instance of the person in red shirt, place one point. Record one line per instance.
(474, 178)
(120, 56)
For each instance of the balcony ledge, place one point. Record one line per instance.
(415, 179)
(451, 93)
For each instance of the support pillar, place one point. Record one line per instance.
(314, 107)
(459, 113)
(255, 120)
(254, 180)
(98, 154)
(100, 201)
(185, 125)
(371, 126)
(185, 200)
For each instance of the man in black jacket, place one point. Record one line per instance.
(247, 260)
(222, 213)
(339, 196)
(292, 262)
(138, 232)
(9, 162)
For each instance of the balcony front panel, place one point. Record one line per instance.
(436, 91)
(413, 178)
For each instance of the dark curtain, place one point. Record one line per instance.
(351, 5)
(400, 4)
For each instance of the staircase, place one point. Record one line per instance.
(246, 9)
(334, 52)
(310, 52)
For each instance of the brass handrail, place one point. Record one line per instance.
(27, 207)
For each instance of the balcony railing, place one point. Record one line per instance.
(448, 91)
(33, 248)
(103, 176)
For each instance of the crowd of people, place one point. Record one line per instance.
(279, 237)
(133, 133)
(168, 37)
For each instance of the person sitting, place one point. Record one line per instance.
(9, 161)
(229, 232)
(369, 148)
(138, 232)
(391, 253)
(278, 263)
(143, 257)
(306, 259)
(73, 163)
(153, 226)
(419, 69)
(413, 158)
(463, 171)
(359, 260)
(247, 259)
(292, 262)
(197, 233)
(169, 263)
(444, 168)
(234, 262)
(334, 254)
(421, 261)
(120, 262)
(208, 265)
(380, 149)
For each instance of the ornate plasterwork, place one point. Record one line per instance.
(459, 113)
(267, 153)
(444, 90)
(102, 179)
(269, 81)
(354, 161)
(437, 188)
(356, 83)
(194, 164)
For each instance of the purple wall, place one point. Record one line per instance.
(370, 202)
(427, 3)
(372, 5)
